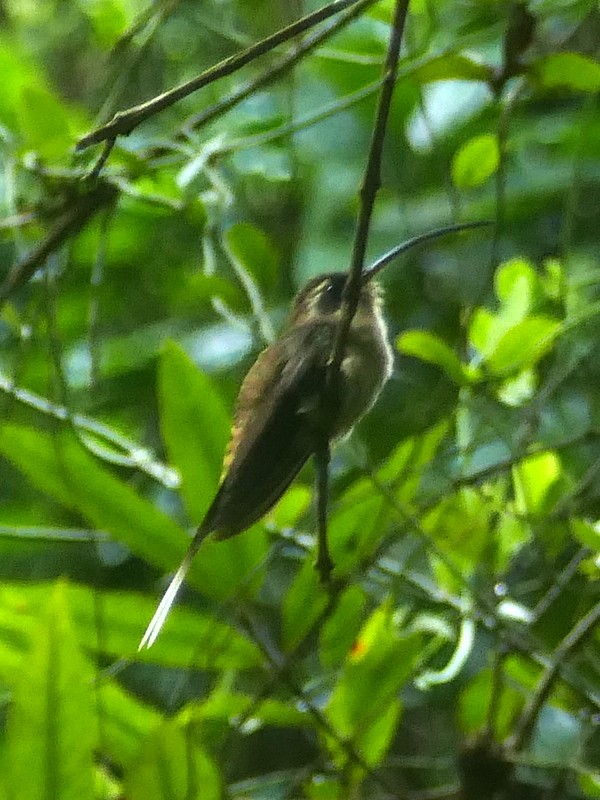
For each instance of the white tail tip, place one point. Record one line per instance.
(164, 607)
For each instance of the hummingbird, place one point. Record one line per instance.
(287, 407)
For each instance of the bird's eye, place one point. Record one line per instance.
(331, 294)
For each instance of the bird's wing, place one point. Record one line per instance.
(274, 430)
(273, 435)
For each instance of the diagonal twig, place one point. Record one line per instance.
(74, 218)
(124, 122)
(281, 66)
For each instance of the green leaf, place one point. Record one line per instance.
(588, 533)
(194, 425)
(450, 66)
(52, 728)
(523, 345)
(109, 19)
(405, 465)
(483, 331)
(60, 466)
(304, 602)
(171, 766)
(460, 524)
(189, 638)
(253, 252)
(223, 705)
(589, 783)
(291, 507)
(376, 738)
(382, 659)
(570, 71)
(533, 479)
(341, 627)
(430, 348)
(43, 122)
(476, 160)
(356, 526)
(125, 720)
(515, 283)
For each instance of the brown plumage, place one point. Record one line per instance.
(278, 418)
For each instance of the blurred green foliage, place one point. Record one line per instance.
(458, 655)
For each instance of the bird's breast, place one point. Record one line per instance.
(366, 366)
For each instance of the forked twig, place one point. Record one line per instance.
(124, 122)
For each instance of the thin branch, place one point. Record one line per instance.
(310, 43)
(124, 122)
(327, 111)
(286, 129)
(74, 218)
(368, 191)
(560, 583)
(573, 639)
(282, 667)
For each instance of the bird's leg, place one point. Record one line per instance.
(324, 564)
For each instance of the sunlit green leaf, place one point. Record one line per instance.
(233, 566)
(291, 507)
(450, 66)
(406, 465)
(533, 478)
(512, 534)
(587, 533)
(61, 467)
(460, 525)
(589, 783)
(483, 332)
(376, 739)
(573, 71)
(341, 628)
(431, 348)
(515, 284)
(125, 720)
(382, 658)
(43, 122)
(172, 765)
(476, 160)
(109, 18)
(498, 335)
(518, 390)
(304, 602)
(52, 729)
(524, 345)
(323, 787)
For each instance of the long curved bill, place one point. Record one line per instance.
(392, 254)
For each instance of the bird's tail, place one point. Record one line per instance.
(170, 595)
